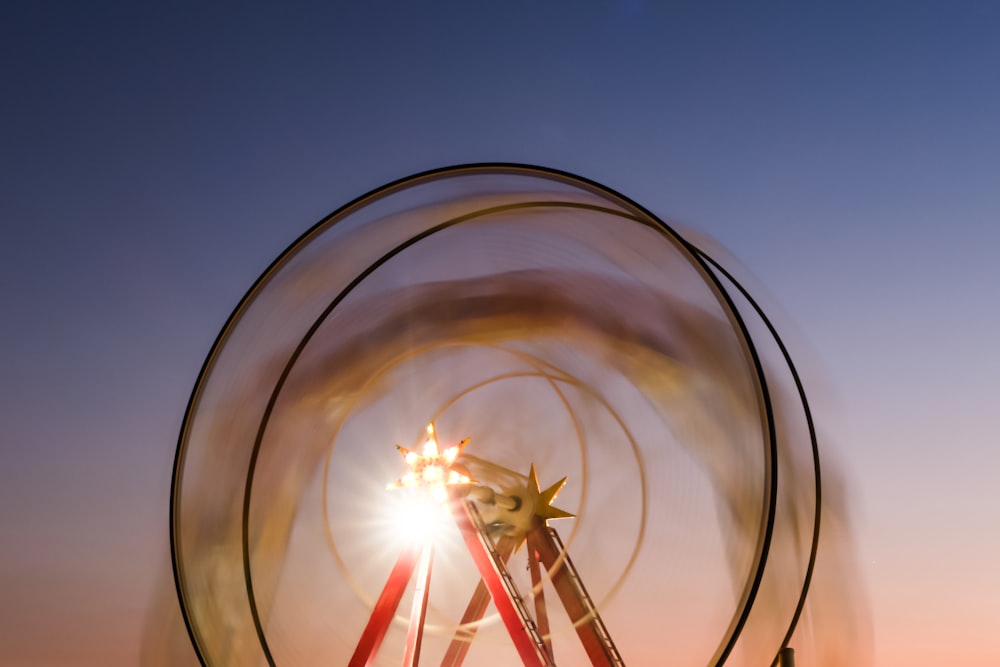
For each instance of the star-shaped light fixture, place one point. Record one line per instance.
(432, 470)
(542, 500)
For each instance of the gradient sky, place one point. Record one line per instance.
(155, 160)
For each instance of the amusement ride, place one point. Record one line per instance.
(639, 476)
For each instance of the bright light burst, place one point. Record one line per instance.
(431, 470)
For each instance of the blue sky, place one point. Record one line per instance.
(156, 159)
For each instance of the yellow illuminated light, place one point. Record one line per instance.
(432, 470)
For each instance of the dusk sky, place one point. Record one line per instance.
(156, 160)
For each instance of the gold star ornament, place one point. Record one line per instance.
(542, 500)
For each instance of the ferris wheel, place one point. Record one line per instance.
(495, 414)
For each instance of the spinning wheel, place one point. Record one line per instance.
(585, 349)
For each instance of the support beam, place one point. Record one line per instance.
(418, 613)
(500, 586)
(385, 607)
(462, 641)
(574, 597)
(538, 593)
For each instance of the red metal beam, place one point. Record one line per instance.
(461, 642)
(385, 607)
(415, 633)
(538, 593)
(583, 619)
(530, 653)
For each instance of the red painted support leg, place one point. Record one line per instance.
(385, 608)
(462, 640)
(415, 633)
(538, 592)
(574, 597)
(528, 648)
